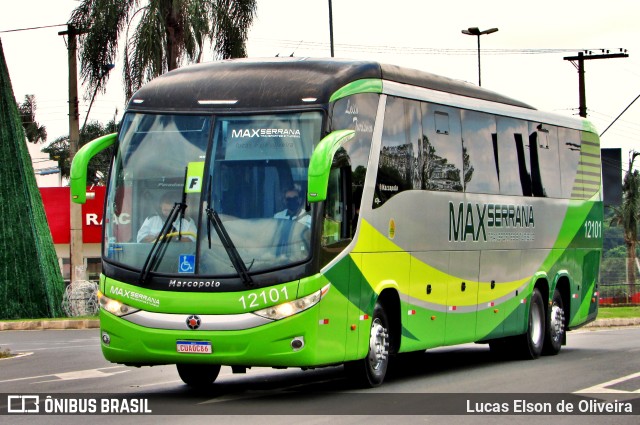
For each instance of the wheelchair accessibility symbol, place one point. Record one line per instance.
(187, 263)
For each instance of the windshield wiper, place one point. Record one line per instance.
(160, 244)
(227, 243)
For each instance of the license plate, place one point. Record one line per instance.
(194, 347)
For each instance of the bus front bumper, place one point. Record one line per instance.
(292, 341)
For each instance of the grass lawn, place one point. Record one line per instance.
(614, 312)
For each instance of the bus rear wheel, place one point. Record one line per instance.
(370, 371)
(554, 336)
(198, 375)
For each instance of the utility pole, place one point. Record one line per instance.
(580, 67)
(76, 257)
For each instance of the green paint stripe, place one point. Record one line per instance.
(590, 134)
(589, 169)
(588, 173)
(588, 180)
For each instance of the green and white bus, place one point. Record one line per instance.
(433, 213)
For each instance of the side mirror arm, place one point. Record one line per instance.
(78, 179)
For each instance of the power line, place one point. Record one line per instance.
(34, 28)
(410, 49)
(625, 110)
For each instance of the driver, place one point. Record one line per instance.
(152, 225)
(294, 210)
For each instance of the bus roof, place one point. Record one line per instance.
(283, 82)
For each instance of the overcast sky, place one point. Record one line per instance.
(413, 33)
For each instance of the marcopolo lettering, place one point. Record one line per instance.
(473, 221)
(194, 284)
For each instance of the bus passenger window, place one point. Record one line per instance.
(442, 167)
(479, 153)
(545, 165)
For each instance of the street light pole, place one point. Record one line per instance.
(331, 27)
(475, 31)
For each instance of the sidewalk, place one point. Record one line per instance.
(32, 325)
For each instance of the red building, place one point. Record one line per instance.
(57, 206)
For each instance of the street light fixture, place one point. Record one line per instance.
(475, 31)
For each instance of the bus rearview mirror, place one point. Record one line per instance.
(320, 163)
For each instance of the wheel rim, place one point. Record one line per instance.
(536, 324)
(378, 345)
(557, 322)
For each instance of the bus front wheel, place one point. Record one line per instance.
(370, 371)
(198, 375)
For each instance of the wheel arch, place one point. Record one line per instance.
(541, 282)
(390, 301)
(563, 285)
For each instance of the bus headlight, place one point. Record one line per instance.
(114, 306)
(290, 308)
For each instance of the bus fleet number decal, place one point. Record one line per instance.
(260, 299)
(592, 229)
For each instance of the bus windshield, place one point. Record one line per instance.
(247, 214)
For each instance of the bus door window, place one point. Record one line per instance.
(333, 210)
(338, 216)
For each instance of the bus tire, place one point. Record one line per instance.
(198, 375)
(370, 371)
(556, 326)
(532, 341)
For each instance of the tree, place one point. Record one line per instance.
(98, 168)
(166, 32)
(628, 215)
(33, 131)
(31, 284)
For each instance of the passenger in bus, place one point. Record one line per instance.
(294, 210)
(152, 225)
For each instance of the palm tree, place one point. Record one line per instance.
(98, 168)
(33, 131)
(165, 33)
(628, 215)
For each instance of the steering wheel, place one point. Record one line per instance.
(172, 234)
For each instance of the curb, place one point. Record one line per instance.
(612, 323)
(38, 325)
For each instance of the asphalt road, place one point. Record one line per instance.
(603, 363)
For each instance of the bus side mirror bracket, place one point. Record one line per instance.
(320, 163)
(78, 179)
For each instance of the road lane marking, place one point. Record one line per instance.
(78, 374)
(16, 356)
(605, 387)
(59, 348)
